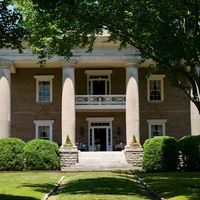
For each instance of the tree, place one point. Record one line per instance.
(11, 33)
(165, 31)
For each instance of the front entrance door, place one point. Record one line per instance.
(100, 137)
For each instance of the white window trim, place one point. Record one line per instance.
(152, 78)
(96, 73)
(157, 122)
(100, 119)
(44, 78)
(44, 123)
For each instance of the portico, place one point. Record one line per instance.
(104, 101)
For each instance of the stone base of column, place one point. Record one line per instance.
(134, 156)
(68, 147)
(127, 147)
(68, 158)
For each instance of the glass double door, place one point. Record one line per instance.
(100, 139)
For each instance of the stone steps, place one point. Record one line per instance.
(102, 158)
(100, 161)
(75, 161)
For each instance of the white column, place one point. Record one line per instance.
(195, 119)
(132, 104)
(4, 101)
(68, 104)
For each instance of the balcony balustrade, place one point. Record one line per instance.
(100, 99)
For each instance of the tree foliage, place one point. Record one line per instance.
(11, 33)
(165, 31)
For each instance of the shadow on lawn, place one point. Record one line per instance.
(11, 197)
(43, 188)
(102, 186)
(176, 184)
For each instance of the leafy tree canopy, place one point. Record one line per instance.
(11, 33)
(165, 31)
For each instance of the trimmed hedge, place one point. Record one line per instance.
(11, 154)
(190, 148)
(42, 155)
(160, 154)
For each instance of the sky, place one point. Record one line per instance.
(10, 7)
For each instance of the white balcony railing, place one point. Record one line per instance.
(100, 99)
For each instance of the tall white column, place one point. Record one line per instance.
(132, 104)
(4, 101)
(195, 119)
(68, 104)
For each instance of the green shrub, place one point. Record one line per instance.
(160, 154)
(190, 148)
(11, 154)
(42, 155)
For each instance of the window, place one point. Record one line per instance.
(98, 82)
(155, 88)
(156, 127)
(43, 129)
(44, 88)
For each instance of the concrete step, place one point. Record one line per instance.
(102, 158)
(100, 161)
(80, 168)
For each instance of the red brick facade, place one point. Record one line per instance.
(25, 109)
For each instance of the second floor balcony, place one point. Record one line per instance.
(100, 101)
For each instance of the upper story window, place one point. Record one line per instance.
(156, 127)
(43, 129)
(98, 82)
(44, 88)
(155, 88)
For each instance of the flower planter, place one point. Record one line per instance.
(135, 146)
(67, 147)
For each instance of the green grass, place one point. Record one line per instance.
(100, 185)
(175, 185)
(26, 185)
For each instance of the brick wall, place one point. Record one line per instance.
(175, 108)
(25, 109)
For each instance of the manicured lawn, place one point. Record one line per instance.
(175, 185)
(26, 185)
(32, 186)
(100, 185)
